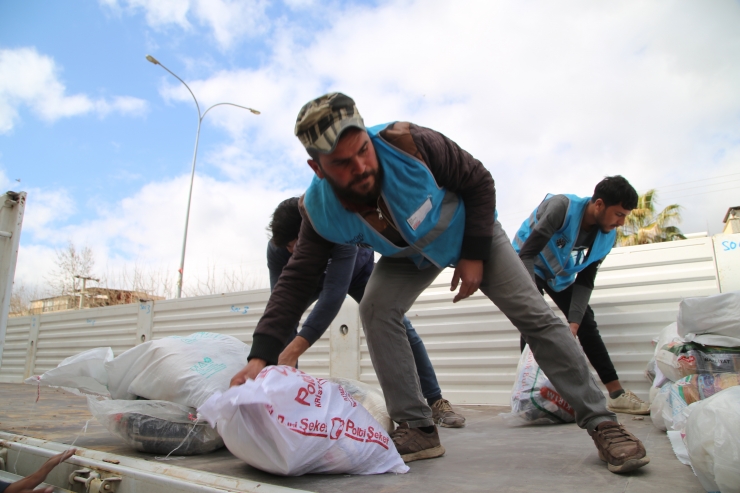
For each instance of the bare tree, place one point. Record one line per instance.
(21, 298)
(70, 262)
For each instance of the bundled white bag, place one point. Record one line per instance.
(711, 320)
(289, 423)
(156, 427)
(713, 441)
(184, 370)
(370, 398)
(534, 399)
(83, 373)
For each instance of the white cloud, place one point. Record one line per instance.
(28, 78)
(549, 97)
(226, 230)
(228, 20)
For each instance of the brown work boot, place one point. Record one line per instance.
(415, 444)
(620, 449)
(443, 415)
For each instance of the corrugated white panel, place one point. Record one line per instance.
(234, 314)
(475, 349)
(638, 290)
(63, 334)
(15, 349)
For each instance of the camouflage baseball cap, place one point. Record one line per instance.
(322, 121)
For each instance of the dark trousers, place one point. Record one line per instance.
(588, 334)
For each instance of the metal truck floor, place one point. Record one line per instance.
(486, 455)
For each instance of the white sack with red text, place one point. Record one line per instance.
(289, 423)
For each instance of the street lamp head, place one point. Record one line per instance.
(256, 112)
(152, 59)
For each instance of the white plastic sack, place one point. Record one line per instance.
(370, 398)
(668, 408)
(711, 320)
(713, 441)
(657, 409)
(83, 373)
(534, 399)
(156, 427)
(184, 370)
(289, 423)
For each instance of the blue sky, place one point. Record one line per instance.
(549, 97)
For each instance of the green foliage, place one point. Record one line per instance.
(644, 225)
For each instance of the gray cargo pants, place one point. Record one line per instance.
(396, 283)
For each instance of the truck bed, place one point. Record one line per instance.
(486, 455)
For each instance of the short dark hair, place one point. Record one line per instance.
(615, 190)
(285, 223)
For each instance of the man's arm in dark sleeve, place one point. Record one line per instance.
(294, 289)
(459, 172)
(550, 218)
(333, 293)
(277, 259)
(582, 289)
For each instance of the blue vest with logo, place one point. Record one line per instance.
(429, 218)
(557, 263)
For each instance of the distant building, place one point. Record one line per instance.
(93, 298)
(732, 221)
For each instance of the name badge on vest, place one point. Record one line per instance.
(421, 213)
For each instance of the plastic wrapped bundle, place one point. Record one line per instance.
(156, 427)
(534, 399)
(370, 398)
(713, 441)
(680, 359)
(667, 410)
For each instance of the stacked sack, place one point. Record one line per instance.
(148, 395)
(695, 394)
(695, 358)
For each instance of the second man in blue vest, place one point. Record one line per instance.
(562, 244)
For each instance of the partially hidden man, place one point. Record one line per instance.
(562, 245)
(423, 203)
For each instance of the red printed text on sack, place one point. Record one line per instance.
(555, 398)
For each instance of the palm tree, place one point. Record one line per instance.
(644, 226)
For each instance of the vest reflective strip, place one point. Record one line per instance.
(446, 214)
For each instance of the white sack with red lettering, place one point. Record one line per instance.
(289, 423)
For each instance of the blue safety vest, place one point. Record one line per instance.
(557, 263)
(429, 218)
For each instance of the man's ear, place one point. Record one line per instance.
(600, 205)
(316, 167)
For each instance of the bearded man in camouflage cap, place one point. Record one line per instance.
(424, 204)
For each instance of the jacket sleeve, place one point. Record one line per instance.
(582, 289)
(291, 294)
(336, 283)
(277, 258)
(459, 172)
(550, 218)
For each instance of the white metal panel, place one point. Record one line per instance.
(475, 349)
(234, 314)
(15, 349)
(637, 293)
(727, 252)
(63, 334)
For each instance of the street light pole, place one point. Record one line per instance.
(195, 155)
